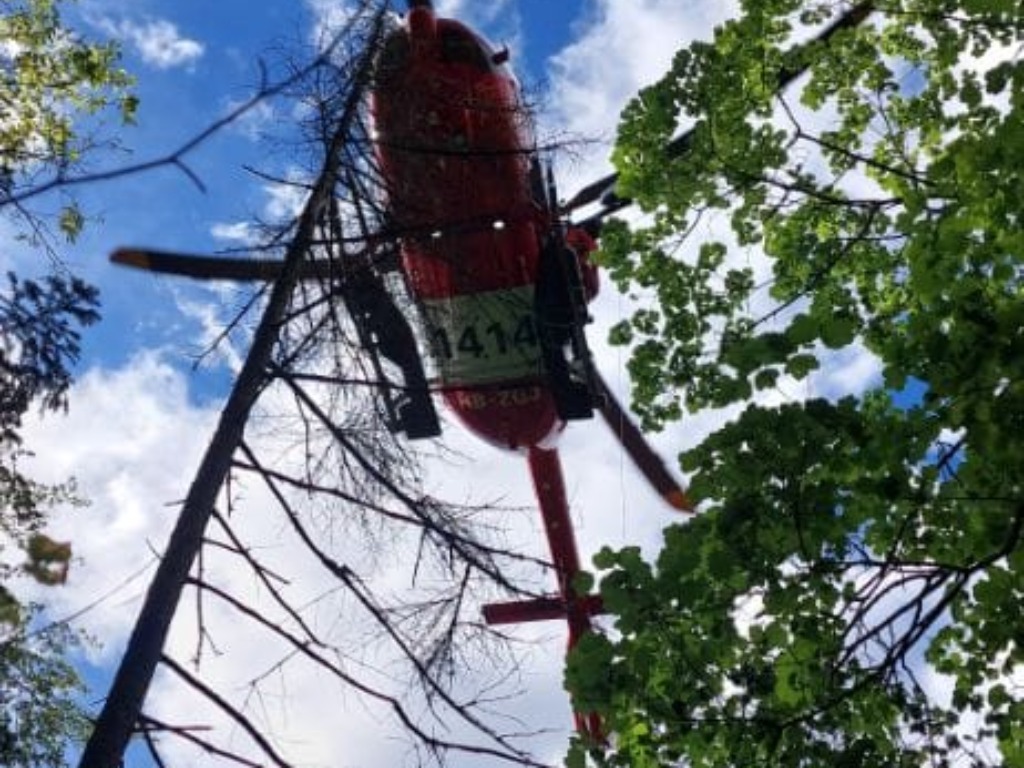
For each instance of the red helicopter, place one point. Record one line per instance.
(499, 278)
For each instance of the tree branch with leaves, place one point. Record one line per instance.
(845, 597)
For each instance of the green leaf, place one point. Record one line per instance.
(799, 366)
(803, 329)
(837, 332)
(864, 210)
(766, 379)
(583, 584)
(71, 222)
(577, 756)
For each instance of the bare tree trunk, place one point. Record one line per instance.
(120, 713)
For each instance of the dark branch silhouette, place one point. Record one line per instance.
(308, 384)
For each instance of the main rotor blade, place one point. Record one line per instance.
(640, 451)
(603, 190)
(216, 267)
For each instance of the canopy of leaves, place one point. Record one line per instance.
(51, 83)
(53, 88)
(39, 341)
(850, 548)
(38, 713)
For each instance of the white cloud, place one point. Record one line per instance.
(329, 18)
(212, 318)
(256, 121)
(134, 440)
(848, 371)
(237, 232)
(157, 41)
(622, 46)
(498, 20)
(285, 199)
(131, 439)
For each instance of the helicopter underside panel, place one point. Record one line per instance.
(482, 338)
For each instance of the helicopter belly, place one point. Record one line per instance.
(455, 146)
(506, 415)
(479, 323)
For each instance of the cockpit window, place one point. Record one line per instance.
(394, 55)
(460, 47)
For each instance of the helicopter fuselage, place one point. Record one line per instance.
(464, 187)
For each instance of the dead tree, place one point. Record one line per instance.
(304, 429)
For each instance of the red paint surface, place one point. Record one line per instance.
(455, 144)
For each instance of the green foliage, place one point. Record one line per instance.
(38, 713)
(53, 88)
(843, 543)
(55, 91)
(39, 340)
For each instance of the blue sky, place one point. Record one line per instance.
(141, 413)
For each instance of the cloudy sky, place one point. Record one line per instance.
(146, 401)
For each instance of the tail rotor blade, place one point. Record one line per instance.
(640, 451)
